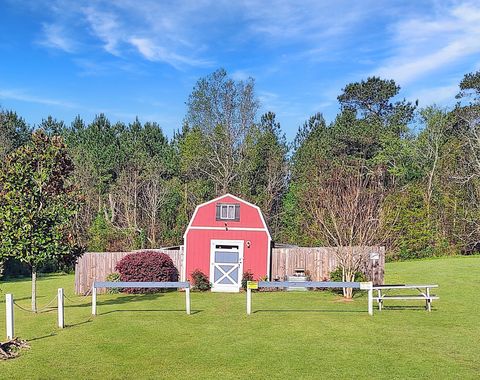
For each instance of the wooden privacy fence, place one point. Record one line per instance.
(96, 266)
(317, 261)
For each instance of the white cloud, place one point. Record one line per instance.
(426, 44)
(153, 52)
(159, 32)
(240, 75)
(106, 27)
(26, 97)
(54, 36)
(308, 20)
(283, 107)
(439, 95)
(181, 33)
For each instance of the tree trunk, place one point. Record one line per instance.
(112, 204)
(348, 276)
(34, 289)
(153, 236)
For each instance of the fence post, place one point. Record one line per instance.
(94, 300)
(249, 301)
(370, 299)
(10, 324)
(187, 300)
(61, 314)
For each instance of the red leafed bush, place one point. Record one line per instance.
(146, 266)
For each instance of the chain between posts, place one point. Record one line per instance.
(41, 310)
(81, 299)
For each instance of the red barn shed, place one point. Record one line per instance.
(226, 237)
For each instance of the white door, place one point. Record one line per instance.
(226, 265)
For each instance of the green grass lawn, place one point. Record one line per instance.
(290, 335)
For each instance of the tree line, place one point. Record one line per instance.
(383, 171)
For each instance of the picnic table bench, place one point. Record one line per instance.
(423, 294)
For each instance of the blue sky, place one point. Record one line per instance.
(131, 57)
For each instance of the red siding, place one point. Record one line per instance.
(255, 258)
(198, 241)
(249, 216)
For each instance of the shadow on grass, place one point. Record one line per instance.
(24, 298)
(40, 277)
(150, 311)
(79, 323)
(42, 337)
(117, 300)
(307, 311)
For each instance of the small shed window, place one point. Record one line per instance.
(228, 211)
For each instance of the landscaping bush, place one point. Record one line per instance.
(336, 276)
(200, 281)
(247, 276)
(146, 266)
(113, 277)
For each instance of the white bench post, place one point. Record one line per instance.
(370, 301)
(187, 300)
(429, 300)
(61, 314)
(249, 301)
(10, 325)
(368, 286)
(94, 300)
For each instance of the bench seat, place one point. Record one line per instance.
(406, 298)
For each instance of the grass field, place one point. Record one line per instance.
(290, 335)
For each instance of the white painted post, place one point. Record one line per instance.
(429, 303)
(370, 299)
(94, 300)
(249, 301)
(10, 325)
(61, 314)
(187, 300)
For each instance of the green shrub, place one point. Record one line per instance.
(247, 276)
(113, 277)
(200, 281)
(336, 276)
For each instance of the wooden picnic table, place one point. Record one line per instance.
(423, 294)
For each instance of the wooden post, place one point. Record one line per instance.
(10, 325)
(61, 314)
(249, 301)
(187, 300)
(94, 300)
(370, 299)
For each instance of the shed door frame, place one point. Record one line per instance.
(229, 287)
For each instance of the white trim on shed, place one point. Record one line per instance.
(265, 228)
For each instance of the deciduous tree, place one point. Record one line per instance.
(343, 205)
(223, 110)
(37, 205)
